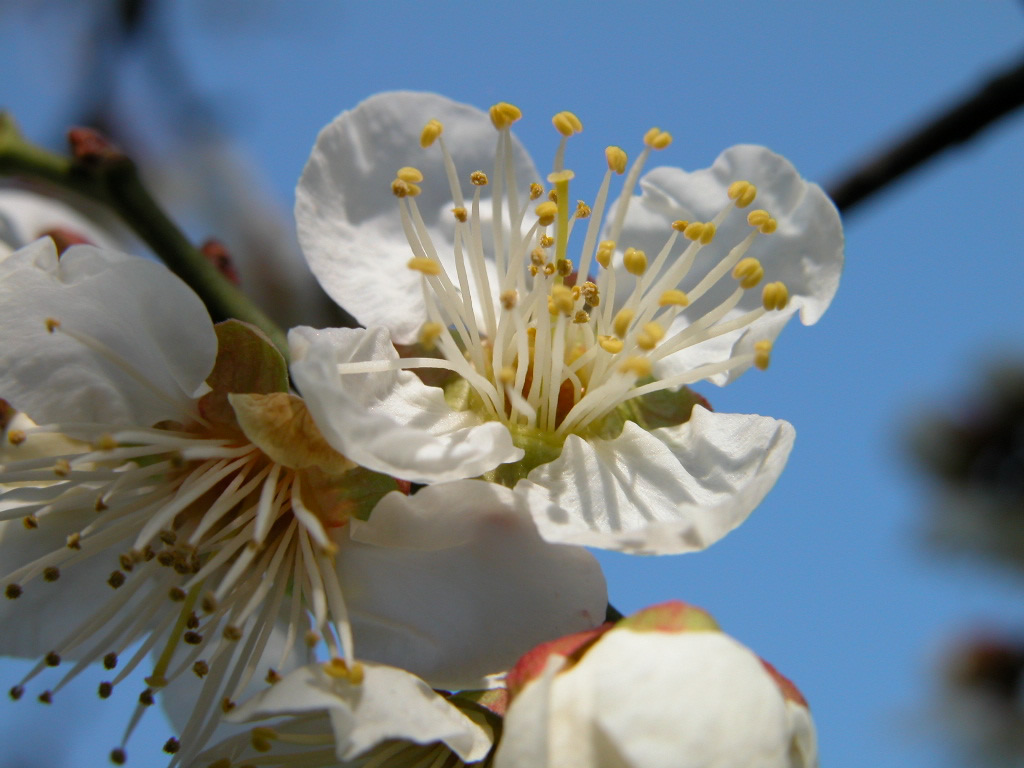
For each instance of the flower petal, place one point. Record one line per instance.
(671, 490)
(454, 583)
(805, 252)
(348, 220)
(27, 216)
(159, 342)
(388, 704)
(390, 421)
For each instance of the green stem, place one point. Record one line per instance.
(114, 181)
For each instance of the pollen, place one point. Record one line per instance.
(460, 214)
(478, 179)
(583, 210)
(775, 296)
(429, 334)
(504, 114)
(657, 138)
(635, 261)
(622, 321)
(762, 353)
(567, 124)
(410, 175)
(424, 265)
(638, 366)
(431, 131)
(590, 294)
(617, 159)
(748, 272)
(742, 193)
(536, 190)
(401, 188)
(673, 298)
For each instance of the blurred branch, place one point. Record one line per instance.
(999, 96)
(99, 171)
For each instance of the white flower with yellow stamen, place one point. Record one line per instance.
(551, 380)
(184, 499)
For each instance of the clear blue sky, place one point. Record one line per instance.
(829, 579)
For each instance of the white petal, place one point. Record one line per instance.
(388, 704)
(348, 220)
(455, 584)
(27, 216)
(390, 421)
(671, 490)
(145, 316)
(805, 252)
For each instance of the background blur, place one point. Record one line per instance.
(831, 579)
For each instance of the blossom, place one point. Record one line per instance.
(195, 507)
(391, 718)
(572, 390)
(663, 687)
(26, 216)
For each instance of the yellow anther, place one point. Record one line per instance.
(424, 265)
(478, 179)
(634, 261)
(533, 270)
(548, 269)
(679, 225)
(504, 114)
(340, 670)
(742, 193)
(546, 241)
(531, 334)
(590, 293)
(749, 272)
(657, 138)
(638, 366)
(708, 234)
(52, 324)
(106, 442)
(621, 323)
(566, 123)
(356, 673)
(762, 220)
(610, 344)
(260, 741)
(507, 375)
(460, 214)
(431, 131)
(536, 190)
(775, 296)
(546, 212)
(694, 230)
(576, 291)
(410, 174)
(582, 210)
(617, 159)
(553, 196)
(399, 188)
(538, 257)
(762, 353)
(61, 468)
(769, 226)
(74, 540)
(561, 299)
(605, 249)
(649, 336)
(674, 298)
(581, 317)
(563, 267)
(31, 522)
(17, 436)
(429, 334)
(509, 298)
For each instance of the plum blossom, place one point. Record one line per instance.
(662, 688)
(570, 388)
(164, 487)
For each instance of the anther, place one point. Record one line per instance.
(657, 138)
(649, 336)
(536, 190)
(208, 603)
(582, 210)
(31, 522)
(581, 317)
(410, 174)
(742, 193)
(118, 756)
(561, 299)
(192, 637)
(775, 296)
(192, 622)
(61, 468)
(504, 114)
(233, 633)
(312, 638)
(621, 322)
(680, 225)
(634, 261)
(165, 557)
(16, 436)
(424, 265)
(694, 230)
(563, 267)
(429, 334)
(400, 188)
(261, 739)
(171, 746)
(105, 690)
(617, 159)
(201, 668)
(168, 537)
(52, 659)
(52, 324)
(605, 249)
(99, 505)
(763, 221)
(590, 294)
(176, 594)
(126, 561)
(460, 214)
(546, 241)
(762, 353)
(673, 298)
(748, 272)
(46, 697)
(13, 591)
(538, 257)
(110, 660)
(638, 366)
(478, 179)
(74, 540)
(567, 124)
(226, 705)
(273, 676)
(509, 299)
(105, 443)
(546, 212)
(708, 234)
(146, 698)
(16, 692)
(549, 269)
(430, 132)
(116, 579)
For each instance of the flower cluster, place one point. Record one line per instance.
(361, 541)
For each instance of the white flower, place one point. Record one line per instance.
(27, 216)
(551, 383)
(186, 500)
(662, 689)
(390, 718)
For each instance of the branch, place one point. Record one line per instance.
(99, 171)
(1002, 94)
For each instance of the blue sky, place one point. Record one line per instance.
(829, 579)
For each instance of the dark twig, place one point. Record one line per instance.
(1001, 95)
